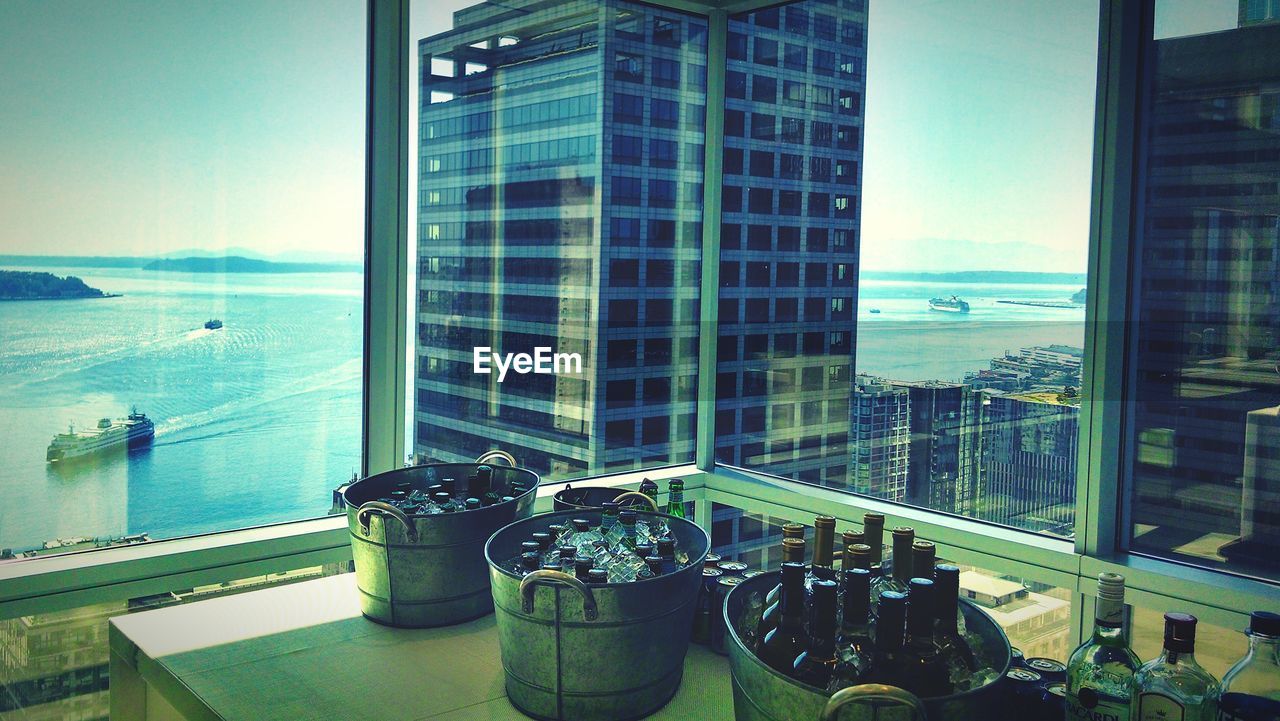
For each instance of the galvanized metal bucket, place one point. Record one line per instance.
(417, 571)
(607, 652)
(762, 694)
(583, 497)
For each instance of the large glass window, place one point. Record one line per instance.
(589, 243)
(961, 278)
(1204, 440)
(181, 316)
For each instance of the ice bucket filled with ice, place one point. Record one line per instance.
(594, 609)
(418, 535)
(811, 644)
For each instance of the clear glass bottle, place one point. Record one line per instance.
(1100, 672)
(1251, 688)
(817, 663)
(1173, 687)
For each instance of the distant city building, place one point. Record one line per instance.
(1038, 624)
(945, 445)
(1255, 12)
(880, 439)
(1033, 368)
(1029, 447)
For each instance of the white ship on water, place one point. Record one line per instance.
(134, 430)
(949, 305)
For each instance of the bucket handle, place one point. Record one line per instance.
(385, 509)
(636, 494)
(872, 692)
(547, 577)
(488, 456)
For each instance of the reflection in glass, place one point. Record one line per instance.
(1205, 436)
(560, 208)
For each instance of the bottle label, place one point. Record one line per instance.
(1109, 612)
(1089, 705)
(1158, 707)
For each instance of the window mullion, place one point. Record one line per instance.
(713, 176)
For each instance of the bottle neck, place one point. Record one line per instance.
(1171, 657)
(1264, 649)
(1107, 634)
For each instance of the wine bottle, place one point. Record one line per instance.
(923, 557)
(853, 642)
(873, 530)
(925, 668)
(783, 643)
(1173, 687)
(792, 552)
(947, 633)
(903, 537)
(886, 663)
(1100, 671)
(848, 538)
(860, 557)
(824, 536)
(1251, 688)
(675, 498)
(816, 664)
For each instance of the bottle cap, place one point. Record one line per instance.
(1179, 632)
(857, 578)
(852, 537)
(628, 517)
(824, 522)
(1264, 623)
(441, 498)
(644, 550)
(568, 552)
(676, 485)
(530, 547)
(581, 524)
(903, 531)
(823, 606)
(793, 550)
(792, 530)
(582, 565)
(543, 538)
(531, 560)
(1111, 586)
(920, 596)
(654, 563)
(873, 519)
(597, 575)
(472, 503)
(792, 573)
(666, 546)
(609, 506)
(946, 579)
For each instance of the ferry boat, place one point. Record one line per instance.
(212, 324)
(134, 430)
(949, 305)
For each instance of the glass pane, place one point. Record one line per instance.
(181, 315)
(1035, 616)
(913, 332)
(1205, 431)
(559, 212)
(54, 666)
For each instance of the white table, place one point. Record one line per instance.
(303, 652)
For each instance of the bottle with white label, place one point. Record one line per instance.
(1174, 687)
(1100, 672)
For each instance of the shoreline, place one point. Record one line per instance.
(60, 297)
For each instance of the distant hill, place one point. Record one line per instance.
(1080, 296)
(977, 276)
(26, 285)
(124, 261)
(75, 261)
(239, 264)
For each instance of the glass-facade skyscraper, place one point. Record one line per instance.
(560, 206)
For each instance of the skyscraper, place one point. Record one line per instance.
(560, 206)
(880, 438)
(1029, 447)
(945, 450)
(794, 86)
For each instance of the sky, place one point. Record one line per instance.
(135, 127)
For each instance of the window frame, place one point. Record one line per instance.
(66, 581)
